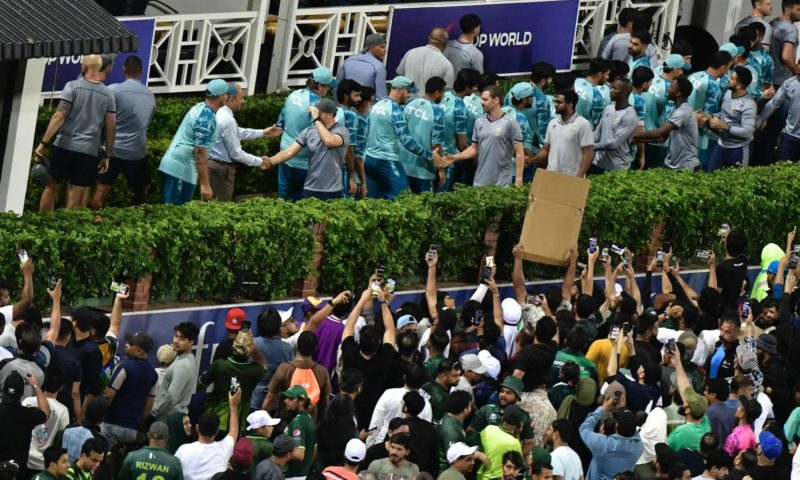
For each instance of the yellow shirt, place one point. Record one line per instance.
(600, 352)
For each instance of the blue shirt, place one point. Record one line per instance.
(590, 101)
(761, 60)
(637, 102)
(133, 381)
(366, 70)
(361, 134)
(539, 117)
(294, 118)
(426, 124)
(633, 63)
(198, 129)
(349, 119)
(455, 121)
(706, 96)
(611, 454)
(388, 130)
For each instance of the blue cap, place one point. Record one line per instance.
(732, 49)
(324, 76)
(405, 321)
(522, 90)
(771, 447)
(773, 267)
(674, 61)
(219, 87)
(404, 82)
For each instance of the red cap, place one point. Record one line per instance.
(235, 318)
(242, 452)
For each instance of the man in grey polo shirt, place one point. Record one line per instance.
(422, 63)
(569, 141)
(327, 141)
(496, 137)
(367, 67)
(462, 51)
(614, 133)
(681, 127)
(789, 93)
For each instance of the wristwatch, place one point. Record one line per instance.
(46, 144)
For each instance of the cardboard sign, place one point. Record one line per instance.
(554, 216)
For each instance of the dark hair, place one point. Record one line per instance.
(641, 75)
(466, 78)
(628, 15)
(685, 87)
(415, 377)
(570, 372)
(599, 65)
(82, 318)
(64, 329)
(53, 379)
(563, 81)
(307, 344)
(345, 88)
(744, 76)
(487, 80)
(683, 47)
(758, 27)
(577, 340)
(736, 242)
(208, 424)
(447, 365)
(542, 71)
(553, 298)
(732, 318)
(269, 321)
(749, 458)
(495, 91)
(469, 22)
(29, 339)
(369, 340)
(396, 423)
(718, 458)
(351, 380)
(569, 97)
(719, 388)
(610, 426)
(564, 428)
(188, 330)
(101, 323)
(643, 36)
(133, 64)
(402, 439)
(457, 402)
(749, 33)
(752, 410)
(513, 457)
(32, 315)
(414, 403)
(96, 410)
(741, 40)
(407, 343)
(439, 340)
(626, 475)
(710, 302)
(53, 454)
(435, 84)
(546, 329)
(709, 441)
(92, 445)
(539, 466)
(619, 70)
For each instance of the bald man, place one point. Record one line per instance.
(75, 130)
(422, 63)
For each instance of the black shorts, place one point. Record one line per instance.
(135, 172)
(79, 168)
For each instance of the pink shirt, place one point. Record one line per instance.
(741, 438)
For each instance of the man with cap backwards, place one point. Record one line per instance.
(185, 163)
(517, 102)
(367, 67)
(492, 414)
(472, 373)
(272, 468)
(354, 453)
(131, 391)
(261, 425)
(294, 118)
(233, 324)
(461, 458)
(658, 107)
(152, 460)
(18, 421)
(388, 133)
(327, 142)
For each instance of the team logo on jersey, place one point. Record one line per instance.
(296, 432)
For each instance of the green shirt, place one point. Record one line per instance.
(150, 463)
(492, 414)
(431, 366)
(219, 374)
(585, 365)
(43, 476)
(75, 473)
(451, 431)
(688, 435)
(451, 474)
(262, 449)
(302, 428)
(438, 397)
(496, 442)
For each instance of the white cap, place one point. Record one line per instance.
(492, 364)
(512, 312)
(286, 314)
(259, 419)
(472, 363)
(355, 451)
(458, 450)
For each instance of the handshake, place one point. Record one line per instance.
(266, 162)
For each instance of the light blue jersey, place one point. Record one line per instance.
(426, 123)
(294, 118)
(637, 102)
(349, 119)
(198, 129)
(633, 63)
(455, 121)
(527, 133)
(361, 134)
(706, 96)
(656, 102)
(590, 101)
(474, 110)
(539, 117)
(388, 130)
(762, 60)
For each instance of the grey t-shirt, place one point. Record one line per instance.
(325, 165)
(495, 141)
(783, 31)
(683, 139)
(135, 107)
(617, 47)
(740, 114)
(267, 470)
(83, 126)
(383, 469)
(612, 138)
(463, 55)
(23, 367)
(567, 140)
(748, 20)
(788, 93)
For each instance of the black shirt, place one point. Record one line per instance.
(424, 445)
(71, 368)
(91, 362)
(17, 422)
(535, 360)
(731, 273)
(224, 349)
(376, 376)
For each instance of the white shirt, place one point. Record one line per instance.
(228, 147)
(705, 345)
(664, 335)
(389, 406)
(43, 435)
(8, 339)
(510, 333)
(796, 465)
(567, 140)
(463, 386)
(766, 413)
(566, 463)
(200, 461)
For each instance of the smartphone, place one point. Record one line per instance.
(724, 230)
(671, 345)
(666, 246)
(23, 256)
(476, 320)
(614, 334)
(592, 244)
(702, 254)
(626, 260)
(433, 252)
(390, 284)
(604, 255)
(121, 288)
(486, 273)
(745, 310)
(617, 250)
(660, 258)
(793, 257)
(579, 268)
(617, 397)
(234, 384)
(627, 327)
(375, 288)
(490, 262)
(53, 281)
(379, 271)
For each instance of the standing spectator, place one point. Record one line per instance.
(496, 440)
(239, 464)
(732, 271)
(354, 454)
(706, 97)
(136, 105)
(721, 417)
(742, 437)
(74, 436)
(274, 350)
(75, 129)
(425, 120)
(272, 468)
(689, 434)
(29, 340)
(462, 52)
(612, 451)
(787, 94)
(617, 46)
(205, 457)
(425, 440)
(92, 454)
(396, 466)
(495, 137)
(10, 312)
(348, 96)
(19, 420)
(717, 464)
(762, 10)
(392, 403)
(294, 119)
(337, 428)
(152, 458)
(227, 149)
(329, 332)
(185, 163)
(388, 130)
(566, 463)
(261, 425)
(303, 429)
(777, 375)
(769, 449)
(492, 414)
(56, 464)
(367, 67)
(474, 369)
(569, 142)
(461, 459)
(658, 107)
(421, 63)
(614, 133)
(451, 428)
(43, 435)
(590, 99)
(234, 320)
(448, 374)
(721, 362)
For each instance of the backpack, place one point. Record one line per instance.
(305, 377)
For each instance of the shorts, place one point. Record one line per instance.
(78, 168)
(290, 182)
(789, 148)
(654, 156)
(175, 190)
(135, 172)
(385, 178)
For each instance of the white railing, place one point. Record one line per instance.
(312, 37)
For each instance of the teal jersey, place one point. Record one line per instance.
(762, 60)
(527, 133)
(753, 90)
(605, 92)
(361, 134)
(294, 118)
(388, 133)
(637, 102)
(198, 129)
(455, 121)
(349, 119)
(633, 63)
(426, 124)
(474, 110)
(590, 101)
(538, 116)
(706, 96)
(656, 105)
(552, 100)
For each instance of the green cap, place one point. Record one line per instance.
(514, 384)
(404, 82)
(295, 391)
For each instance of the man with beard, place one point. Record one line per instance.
(569, 141)
(302, 429)
(720, 363)
(566, 462)
(447, 376)
(492, 414)
(396, 467)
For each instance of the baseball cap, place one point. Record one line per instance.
(141, 340)
(697, 403)
(458, 450)
(676, 61)
(374, 39)
(295, 391)
(324, 76)
(472, 363)
(405, 321)
(522, 90)
(512, 311)
(218, 87)
(9, 469)
(259, 419)
(326, 105)
(770, 445)
(492, 364)
(355, 451)
(773, 267)
(514, 384)
(166, 354)
(234, 319)
(404, 82)
(13, 387)
(242, 452)
(512, 415)
(286, 314)
(310, 304)
(284, 444)
(612, 388)
(158, 431)
(733, 50)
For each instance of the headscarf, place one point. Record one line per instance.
(584, 395)
(652, 432)
(769, 254)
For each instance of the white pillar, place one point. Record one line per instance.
(21, 130)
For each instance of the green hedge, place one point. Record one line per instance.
(202, 248)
